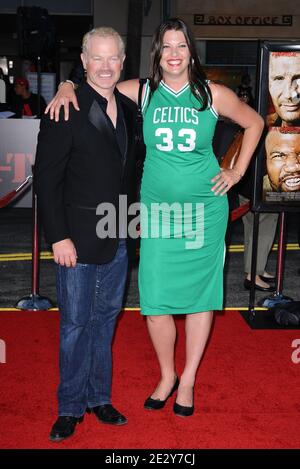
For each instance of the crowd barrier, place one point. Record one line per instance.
(33, 301)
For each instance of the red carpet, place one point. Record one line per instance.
(247, 393)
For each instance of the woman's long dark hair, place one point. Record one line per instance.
(196, 75)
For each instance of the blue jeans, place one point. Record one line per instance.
(89, 298)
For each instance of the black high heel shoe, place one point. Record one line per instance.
(156, 404)
(247, 285)
(268, 279)
(182, 410)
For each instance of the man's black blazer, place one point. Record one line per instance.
(78, 166)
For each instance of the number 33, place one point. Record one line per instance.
(168, 145)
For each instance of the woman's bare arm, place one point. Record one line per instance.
(66, 95)
(227, 104)
(130, 88)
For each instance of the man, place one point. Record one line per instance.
(283, 159)
(244, 90)
(284, 87)
(81, 163)
(2, 87)
(25, 103)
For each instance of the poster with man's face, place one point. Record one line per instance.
(279, 160)
(284, 89)
(282, 149)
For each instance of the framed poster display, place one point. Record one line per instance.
(277, 167)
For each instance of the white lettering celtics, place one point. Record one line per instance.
(183, 115)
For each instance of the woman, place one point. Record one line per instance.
(182, 274)
(267, 221)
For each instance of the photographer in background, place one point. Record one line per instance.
(25, 103)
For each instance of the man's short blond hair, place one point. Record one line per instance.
(103, 32)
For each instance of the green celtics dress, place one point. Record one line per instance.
(183, 223)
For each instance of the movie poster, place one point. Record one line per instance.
(278, 163)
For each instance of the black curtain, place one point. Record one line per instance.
(134, 38)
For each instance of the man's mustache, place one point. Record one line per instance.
(103, 72)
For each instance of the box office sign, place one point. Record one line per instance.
(277, 168)
(18, 138)
(239, 20)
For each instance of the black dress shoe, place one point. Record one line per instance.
(64, 427)
(108, 414)
(182, 410)
(247, 285)
(268, 279)
(157, 404)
